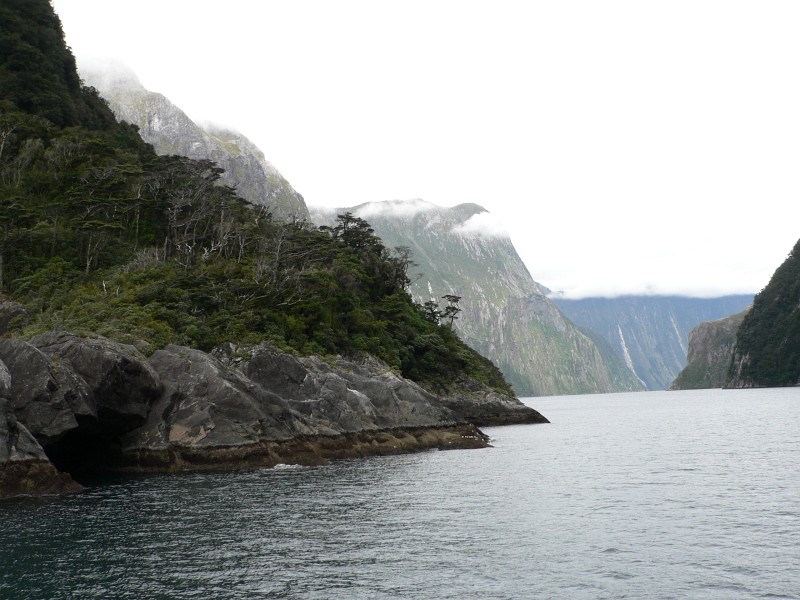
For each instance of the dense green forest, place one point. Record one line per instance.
(99, 234)
(767, 348)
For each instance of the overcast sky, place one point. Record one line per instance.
(627, 147)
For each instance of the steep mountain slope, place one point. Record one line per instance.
(767, 351)
(710, 351)
(171, 131)
(650, 332)
(505, 314)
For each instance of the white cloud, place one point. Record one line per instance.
(106, 73)
(395, 208)
(482, 224)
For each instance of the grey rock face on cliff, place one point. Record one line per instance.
(711, 346)
(16, 442)
(205, 404)
(650, 332)
(171, 131)
(48, 397)
(10, 312)
(214, 401)
(122, 382)
(506, 315)
(348, 396)
(74, 396)
(24, 466)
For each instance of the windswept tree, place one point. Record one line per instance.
(450, 313)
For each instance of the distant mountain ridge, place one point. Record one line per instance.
(651, 333)
(171, 131)
(506, 315)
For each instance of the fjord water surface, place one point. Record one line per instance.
(644, 495)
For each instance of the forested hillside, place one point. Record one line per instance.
(99, 234)
(767, 351)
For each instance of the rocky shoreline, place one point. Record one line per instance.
(302, 450)
(71, 405)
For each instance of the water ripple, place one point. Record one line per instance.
(687, 495)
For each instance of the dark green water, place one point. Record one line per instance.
(652, 495)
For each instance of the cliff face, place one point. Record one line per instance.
(171, 131)
(650, 332)
(88, 404)
(506, 315)
(710, 352)
(767, 351)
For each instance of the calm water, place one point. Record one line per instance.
(652, 495)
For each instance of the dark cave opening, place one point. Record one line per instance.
(84, 453)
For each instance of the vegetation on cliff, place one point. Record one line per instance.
(767, 351)
(99, 234)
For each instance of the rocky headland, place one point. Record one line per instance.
(136, 248)
(711, 346)
(73, 405)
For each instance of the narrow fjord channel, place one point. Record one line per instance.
(656, 495)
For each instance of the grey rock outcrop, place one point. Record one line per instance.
(477, 404)
(46, 395)
(171, 131)
(9, 313)
(347, 396)
(205, 403)
(90, 404)
(73, 396)
(16, 442)
(24, 466)
(121, 381)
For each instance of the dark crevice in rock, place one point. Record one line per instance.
(83, 452)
